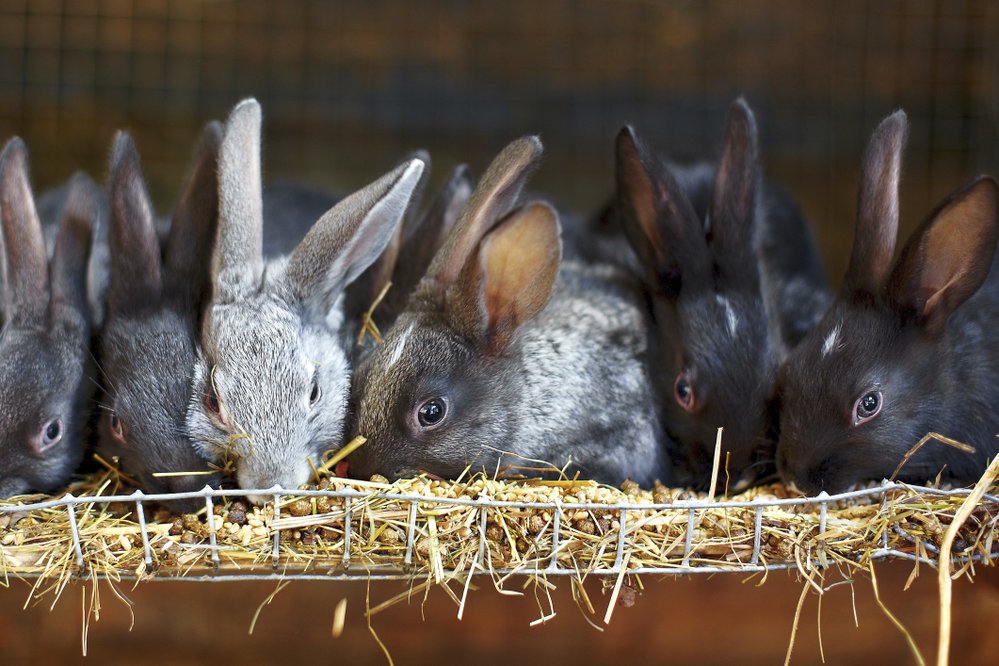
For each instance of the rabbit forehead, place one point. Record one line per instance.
(147, 364)
(853, 348)
(725, 339)
(39, 367)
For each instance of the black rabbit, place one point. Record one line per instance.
(905, 349)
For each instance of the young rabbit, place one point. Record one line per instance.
(271, 385)
(409, 253)
(904, 349)
(734, 277)
(44, 343)
(501, 358)
(149, 343)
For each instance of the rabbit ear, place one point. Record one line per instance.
(948, 258)
(363, 291)
(495, 196)
(237, 259)
(425, 236)
(733, 202)
(509, 279)
(72, 250)
(134, 245)
(658, 219)
(26, 270)
(348, 238)
(193, 228)
(877, 216)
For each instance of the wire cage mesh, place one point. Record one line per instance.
(443, 535)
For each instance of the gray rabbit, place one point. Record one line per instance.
(44, 343)
(147, 348)
(503, 356)
(906, 348)
(271, 382)
(734, 279)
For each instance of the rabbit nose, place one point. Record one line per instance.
(289, 479)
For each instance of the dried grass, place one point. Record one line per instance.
(438, 530)
(531, 532)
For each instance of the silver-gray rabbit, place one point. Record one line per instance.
(504, 356)
(271, 385)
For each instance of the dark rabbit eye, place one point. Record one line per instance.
(316, 394)
(867, 407)
(212, 404)
(683, 391)
(431, 413)
(116, 428)
(51, 434)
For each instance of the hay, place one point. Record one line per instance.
(437, 533)
(442, 531)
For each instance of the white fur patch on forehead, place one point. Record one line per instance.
(399, 345)
(832, 340)
(731, 318)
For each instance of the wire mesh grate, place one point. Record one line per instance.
(418, 514)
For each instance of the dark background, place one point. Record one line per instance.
(349, 87)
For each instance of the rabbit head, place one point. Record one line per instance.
(890, 361)
(44, 343)
(718, 350)
(437, 395)
(271, 383)
(148, 346)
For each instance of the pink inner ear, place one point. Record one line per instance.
(954, 251)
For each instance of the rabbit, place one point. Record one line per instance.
(734, 278)
(44, 344)
(147, 348)
(502, 356)
(905, 348)
(408, 254)
(272, 377)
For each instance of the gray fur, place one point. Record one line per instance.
(148, 344)
(44, 355)
(271, 339)
(568, 384)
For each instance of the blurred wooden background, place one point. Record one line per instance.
(718, 620)
(348, 87)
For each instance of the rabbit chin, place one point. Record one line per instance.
(288, 479)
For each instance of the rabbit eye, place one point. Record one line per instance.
(683, 391)
(51, 434)
(431, 413)
(116, 428)
(867, 407)
(212, 404)
(316, 394)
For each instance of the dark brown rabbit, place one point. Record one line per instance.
(906, 348)
(734, 279)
